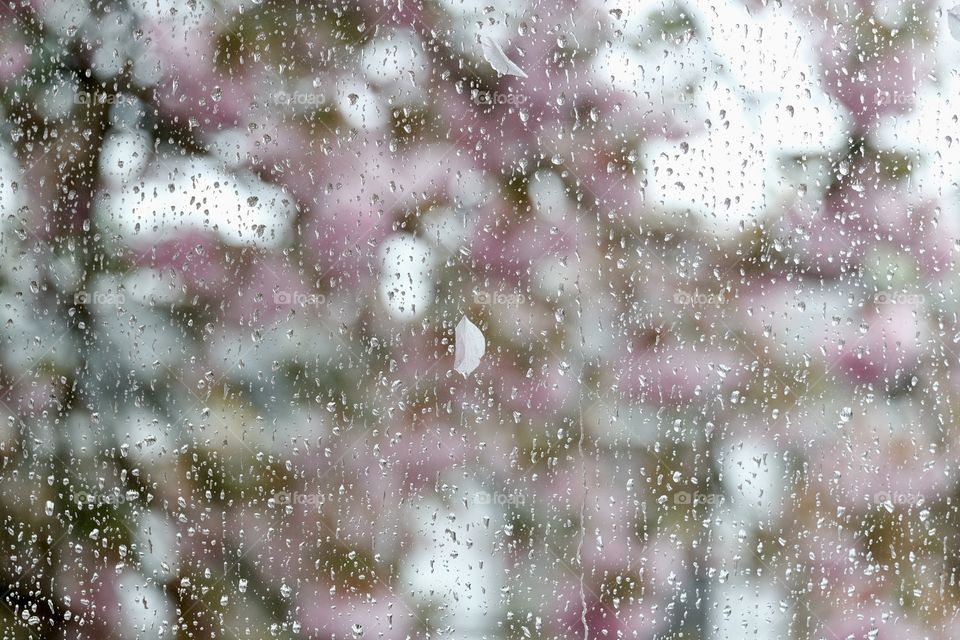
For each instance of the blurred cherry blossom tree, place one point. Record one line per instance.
(491, 320)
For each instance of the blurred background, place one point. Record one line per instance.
(710, 246)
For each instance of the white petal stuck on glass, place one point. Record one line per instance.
(953, 21)
(470, 347)
(495, 55)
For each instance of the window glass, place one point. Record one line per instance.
(479, 320)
